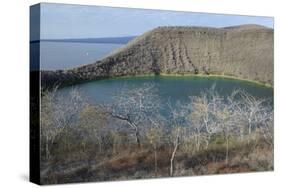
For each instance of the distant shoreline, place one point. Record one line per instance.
(105, 40)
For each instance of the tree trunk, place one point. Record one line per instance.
(173, 156)
(207, 141)
(47, 150)
(137, 135)
(197, 142)
(137, 138)
(250, 128)
(100, 144)
(227, 148)
(132, 124)
(155, 160)
(249, 132)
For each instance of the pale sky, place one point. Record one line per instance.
(60, 21)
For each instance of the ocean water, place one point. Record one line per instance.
(65, 55)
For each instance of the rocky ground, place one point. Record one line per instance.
(243, 51)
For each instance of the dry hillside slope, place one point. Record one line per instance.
(244, 51)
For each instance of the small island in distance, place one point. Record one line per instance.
(242, 52)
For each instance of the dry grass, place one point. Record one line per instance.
(139, 164)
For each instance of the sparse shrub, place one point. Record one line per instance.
(131, 138)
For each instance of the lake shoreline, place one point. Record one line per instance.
(219, 76)
(53, 78)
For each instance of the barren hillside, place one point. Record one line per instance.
(241, 51)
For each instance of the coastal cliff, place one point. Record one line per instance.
(244, 52)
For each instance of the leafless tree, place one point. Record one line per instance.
(224, 122)
(176, 118)
(135, 106)
(92, 121)
(154, 136)
(58, 113)
(202, 116)
(176, 143)
(251, 109)
(266, 126)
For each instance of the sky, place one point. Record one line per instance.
(60, 21)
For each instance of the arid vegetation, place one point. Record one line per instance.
(132, 137)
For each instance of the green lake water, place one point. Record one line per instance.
(172, 88)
